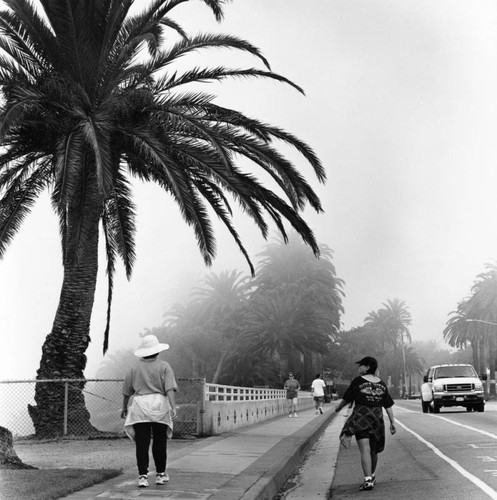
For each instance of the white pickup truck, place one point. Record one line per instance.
(452, 385)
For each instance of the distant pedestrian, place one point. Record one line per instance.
(292, 387)
(317, 388)
(152, 384)
(370, 395)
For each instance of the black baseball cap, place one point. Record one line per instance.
(368, 361)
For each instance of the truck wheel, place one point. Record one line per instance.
(436, 408)
(469, 408)
(425, 406)
(480, 407)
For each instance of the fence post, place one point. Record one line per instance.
(202, 408)
(66, 405)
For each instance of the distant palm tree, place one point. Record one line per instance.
(391, 326)
(221, 293)
(92, 97)
(475, 321)
(375, 323)
(431, 353)
(414, 366)
(221, 301)
(293, 265)
(296, 303)
(398, 321)
(459, 332)
(249, 371)
(194, 351)
(279, 325)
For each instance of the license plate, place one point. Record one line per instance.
(459, 399)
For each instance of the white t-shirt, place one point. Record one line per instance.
(318, 386)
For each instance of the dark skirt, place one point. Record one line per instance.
(366, 419)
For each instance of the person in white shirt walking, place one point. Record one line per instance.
(317, 388)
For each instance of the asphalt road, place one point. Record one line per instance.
(451, 455)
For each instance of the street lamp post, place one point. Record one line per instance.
(480, 321)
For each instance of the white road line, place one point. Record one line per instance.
(485, 433)
(476, 481)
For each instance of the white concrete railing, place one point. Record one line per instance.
(228, 407)
(217, 392)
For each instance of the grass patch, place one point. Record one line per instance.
(49, 484)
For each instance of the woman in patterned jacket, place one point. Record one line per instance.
(369, 395)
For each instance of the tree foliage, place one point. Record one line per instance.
(474, 322)
(233, 328)
(93, 97)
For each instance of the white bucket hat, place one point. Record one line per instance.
(150, 345)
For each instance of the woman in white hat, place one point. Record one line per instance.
(152, 384)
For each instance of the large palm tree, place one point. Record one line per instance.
(475, 321)
(91, 99)
(459, 332)
(291, 268)
(296, 305)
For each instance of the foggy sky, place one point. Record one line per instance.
(401, 108)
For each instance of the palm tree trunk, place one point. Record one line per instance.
(63, 353)
(220, 365)
(285, 364)
(8, 456)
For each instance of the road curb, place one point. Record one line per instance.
(265, 477)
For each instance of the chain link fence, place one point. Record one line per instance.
(102, 400)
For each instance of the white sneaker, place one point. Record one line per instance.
(162, 478)
(295, 415)
(321, 410)
(290, 416)
(143, 482)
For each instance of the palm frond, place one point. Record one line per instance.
(28, 30)
(110, 246)
(97, 136)
(120, 222)
(198, 42)
(204, 75)
(16, 205)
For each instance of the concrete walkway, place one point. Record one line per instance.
(251, 463)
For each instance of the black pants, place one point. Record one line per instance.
(143, 432)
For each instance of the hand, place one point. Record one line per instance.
(393, 430)
(124, 413)
(173, 413)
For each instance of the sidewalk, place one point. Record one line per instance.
(252, 463)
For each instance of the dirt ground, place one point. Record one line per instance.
(86, 454)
